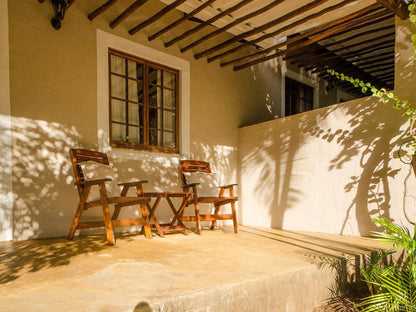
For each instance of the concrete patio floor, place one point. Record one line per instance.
(256, 270)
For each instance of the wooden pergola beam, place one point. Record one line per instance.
(155, 17)
(259, 29)
(207, 22)
(326, 30)
(181, 20)
(398, 7)
(375, 65)
(127, 12)
(101, 9)
(374, 59)
(277, 32)
(319, 37)
(228, 26)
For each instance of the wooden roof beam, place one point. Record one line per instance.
(320, 37)
(228, 26)
(127, 12)
(208, 22)
(101, 9)
(259, 29)
(275, 33)
(326, 29)
(398, 7)
(155, 17)
(181, 20)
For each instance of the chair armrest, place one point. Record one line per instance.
(227, 186)
(133, 183)
(92, 182)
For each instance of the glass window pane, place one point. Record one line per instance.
(169, 140)
(135, 91)
(118, 132)
(169, 120)
(118, 87)
(135, 70)
(155, 96)
(169, 100)
(135, 135)
(155, 138)
(169, 80)
(155, 118)
(134, 114)
(118, 111)
(155, 76)
(118, 65)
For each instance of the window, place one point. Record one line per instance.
(298, 97)
(143, 104)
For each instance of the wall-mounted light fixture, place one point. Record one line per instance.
(59, 8)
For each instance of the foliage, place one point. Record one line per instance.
(393, 286)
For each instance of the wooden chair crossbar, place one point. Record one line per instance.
(191, 166)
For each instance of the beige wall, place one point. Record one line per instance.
(53, 77)
(333, 169)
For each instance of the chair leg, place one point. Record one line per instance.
(197, 218)
(78, 213)
(234, 218)
(214, 222)
(107, 217)
(146, 226)
(116, 213)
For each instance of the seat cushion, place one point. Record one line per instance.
(93, 170)
(208, 186)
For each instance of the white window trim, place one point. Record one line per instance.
(300, 78)
(104, 42)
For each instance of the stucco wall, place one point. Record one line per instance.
(333, 169)
(53, 76)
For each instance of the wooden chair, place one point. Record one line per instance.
(78, 156)
(192, 166)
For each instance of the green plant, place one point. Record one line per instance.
(393, 286)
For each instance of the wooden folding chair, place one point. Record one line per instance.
(78, 156)
(193, 166)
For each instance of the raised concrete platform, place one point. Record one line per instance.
(255, 270)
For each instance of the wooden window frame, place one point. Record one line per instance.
(146, 105)
(298, 85)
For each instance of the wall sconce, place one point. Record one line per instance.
(59, 8)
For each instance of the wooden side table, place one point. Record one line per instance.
(176, 224)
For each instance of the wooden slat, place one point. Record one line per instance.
(285, 28)
(324, 28)
(127, 12)
(232, 24)
(181, 20)
(208, 217)
(208, 22)
(398, 7)
(115, 223)
(311, 60)
(317, 38)
(373, 59)
(155, 17)
(101, 9)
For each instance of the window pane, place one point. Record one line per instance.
(155, 76)
(118, 132)
(169, 100)
(118, 65)
(155, 96)
(134, 114)
(169, 80)
(135, 70)
(118, 87)
(155, 138)
(155, 118)
(135, 91)
(118, 111)
(169, 120)
(169, 140)
(135, 135)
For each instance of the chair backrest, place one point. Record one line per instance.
(80, 155)
(193, 166)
